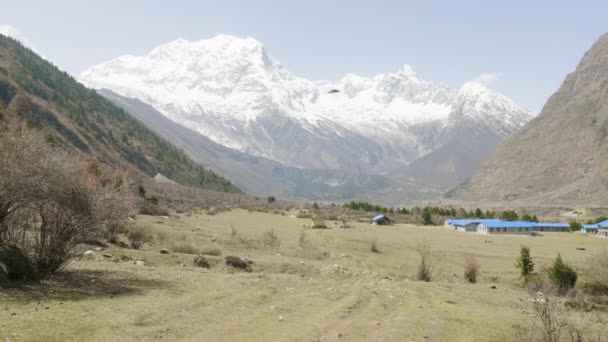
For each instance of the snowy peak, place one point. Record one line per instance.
(232, 91)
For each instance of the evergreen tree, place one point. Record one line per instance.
(509, 215)
(426, 216)
(562, 274)
(478, 213)
(524, 262)
(575, 226)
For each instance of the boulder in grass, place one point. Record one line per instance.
(4, 281)
(239, 263)
(200, 261)
(17, 265)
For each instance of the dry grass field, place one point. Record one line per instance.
(305, 285)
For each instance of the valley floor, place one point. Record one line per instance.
(324, 285)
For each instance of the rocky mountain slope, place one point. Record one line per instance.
(562, 155)
(35, 91)
(263, 176)
(233, 92)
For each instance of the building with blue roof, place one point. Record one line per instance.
(521, 227)
(381, 220)
(590, 228)
(602, 229)
(466, 225)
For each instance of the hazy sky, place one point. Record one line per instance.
(525, 47)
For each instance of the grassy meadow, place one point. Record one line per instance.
(305, 284)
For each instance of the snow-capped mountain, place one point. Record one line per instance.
(232, 91)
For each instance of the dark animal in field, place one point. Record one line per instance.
(239, 263)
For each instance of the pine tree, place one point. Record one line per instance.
(524, 262)
(426, 216)
(562, 274)
(478, 213)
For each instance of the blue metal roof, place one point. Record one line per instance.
(464, 222)
(378, 217)
(553, 224)
(510, 224)
(590, 226)
(603, 224)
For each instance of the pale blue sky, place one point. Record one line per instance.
(531, 44)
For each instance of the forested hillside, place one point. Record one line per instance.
(36, 92)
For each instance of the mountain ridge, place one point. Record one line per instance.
(35, 91)
(232, 91)
(564, 148)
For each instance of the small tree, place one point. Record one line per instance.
(526, 217)
(562, 274)
(478, 213)
(271, 199)
(427, 219)
(575, 226)
(315, 206)
(509, 215)
(524, 262)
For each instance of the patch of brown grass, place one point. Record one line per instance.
(211, 250)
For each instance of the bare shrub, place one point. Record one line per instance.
(471, 268)
(596, 273)
(373, 247)
(153, 208)
(271, 239)
(551, 323)
(302, 242)
(138, 236)
(182, 245)
(51, 200)
(425, 265)
(208, 250)
(233, 232)
(307, 249)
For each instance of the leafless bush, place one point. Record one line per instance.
(425, 265)
(138, 236)
(596, 273)
(471, 268)
(373, 247)
(552, 323)
(302, 242)
(271, 239)
(154, 209)
(182, 245)
(307, 249)
(233, 232)
(50, 200)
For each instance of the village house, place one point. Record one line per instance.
(381, 220)
(602, 229)
(589, 228)
(466, 225)
(553, 227)
(507, 227)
